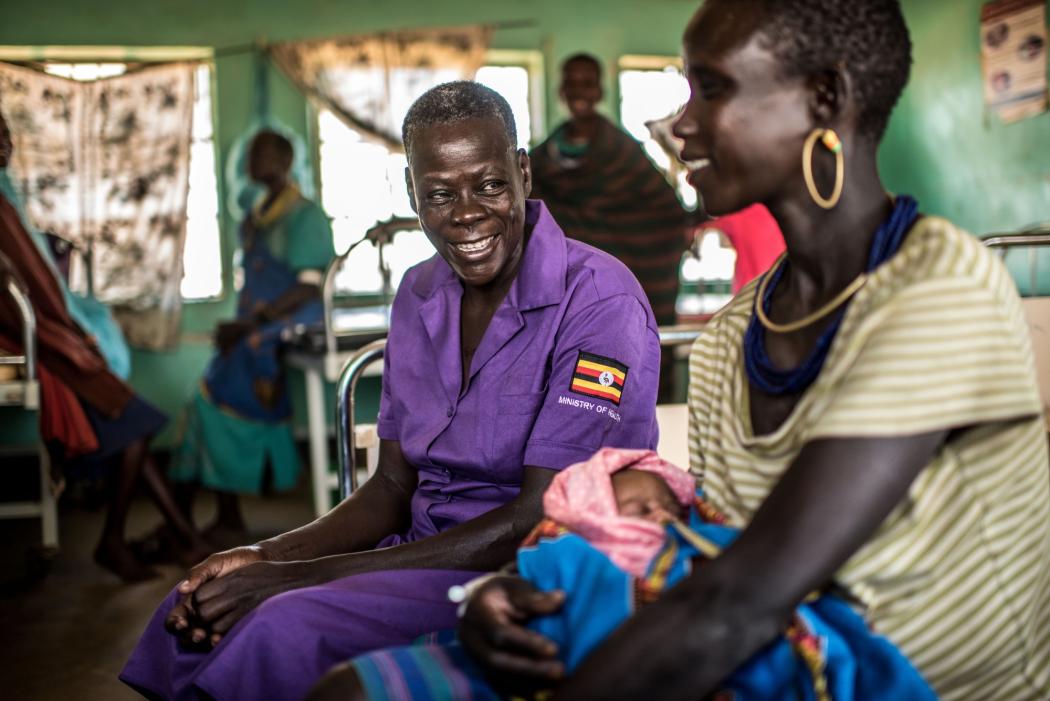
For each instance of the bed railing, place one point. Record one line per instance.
(24, 391)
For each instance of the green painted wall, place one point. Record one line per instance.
(957, 158)
(941, 146)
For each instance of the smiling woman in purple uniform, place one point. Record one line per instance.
(512, 354)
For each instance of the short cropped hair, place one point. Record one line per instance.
(583, 58)
(454, 102)
(869, 38)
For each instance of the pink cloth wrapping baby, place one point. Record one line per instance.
(581, 498)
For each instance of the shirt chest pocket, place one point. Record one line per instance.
(510, 427)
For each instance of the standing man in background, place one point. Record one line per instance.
(603, 190)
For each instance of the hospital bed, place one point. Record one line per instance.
(1036, 303)
(20, 390)
(322, 352)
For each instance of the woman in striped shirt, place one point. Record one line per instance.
(867, 411)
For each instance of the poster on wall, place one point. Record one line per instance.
(1013, 57)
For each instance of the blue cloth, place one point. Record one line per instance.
(440, 670)
(230, 379)
(599, 596)
(90, 314)
(137, 421)
(97, 320)
(848, 661)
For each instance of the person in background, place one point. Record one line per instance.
(754, 235)
(239, 419)
(92, 422)
(602, 188)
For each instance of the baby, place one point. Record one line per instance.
(613, 538)
(641, 494)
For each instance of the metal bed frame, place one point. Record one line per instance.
(25, 392)
(1038, 235)
(331, 336)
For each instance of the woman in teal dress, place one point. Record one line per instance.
(239, 418)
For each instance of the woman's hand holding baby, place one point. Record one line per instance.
(493, 629)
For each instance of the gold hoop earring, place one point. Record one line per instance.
(831, 142)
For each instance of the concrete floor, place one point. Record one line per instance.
(67, 634)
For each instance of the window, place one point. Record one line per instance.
(202, 254)
(86, 71)
(202, 259)
(513, 83)
(712, 258)
(363, 182)
(652, 87)
(518, 76)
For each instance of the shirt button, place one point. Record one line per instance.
(451, 411)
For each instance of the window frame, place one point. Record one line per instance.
(224, 273)
(532, 61)
(654, 63)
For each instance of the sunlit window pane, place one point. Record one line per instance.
(86, 71)
(714, 261)
(512, 82)
(202, 255)
(363, 183)
(648, 94)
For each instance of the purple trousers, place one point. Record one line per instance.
(282, 648)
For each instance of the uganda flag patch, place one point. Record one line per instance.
(599, 377)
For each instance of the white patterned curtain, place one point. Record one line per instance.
(105, 164)
(370, 81)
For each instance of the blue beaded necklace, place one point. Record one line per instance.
(760, 369)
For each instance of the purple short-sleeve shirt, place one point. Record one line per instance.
(574, 331)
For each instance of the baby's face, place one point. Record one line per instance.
(645, 495)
